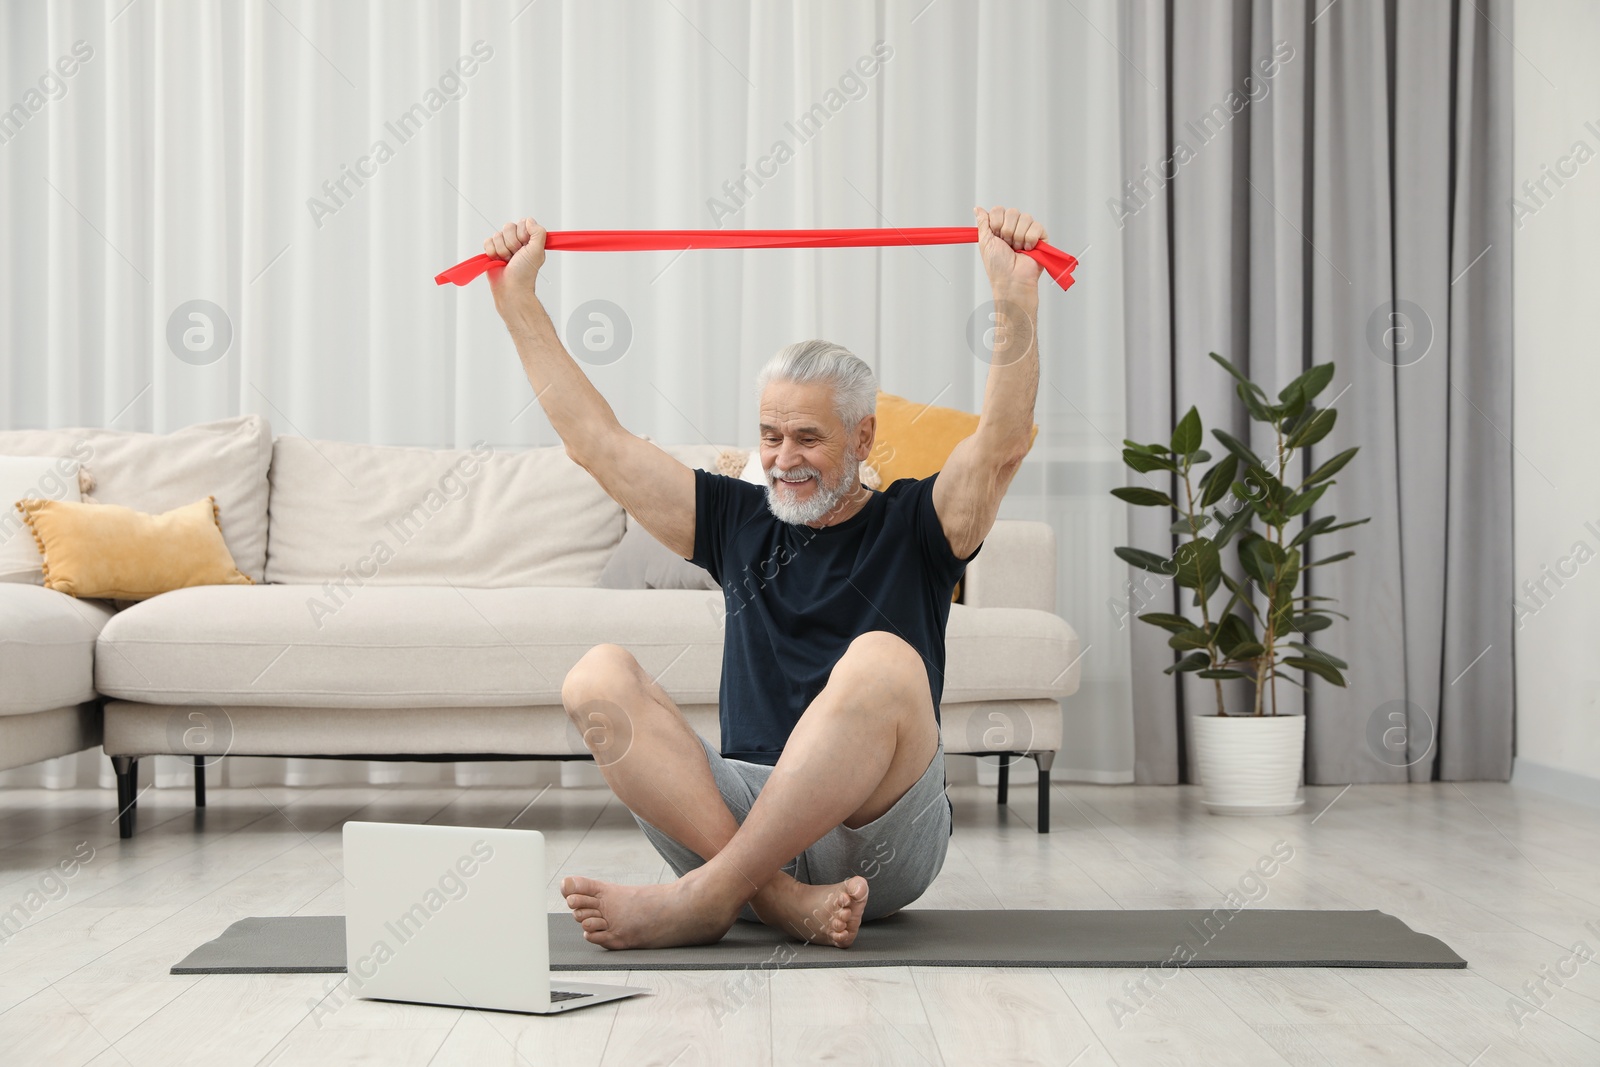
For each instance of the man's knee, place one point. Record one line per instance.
(882, 660)
(601, 673)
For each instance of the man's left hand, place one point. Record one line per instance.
(1003, 233)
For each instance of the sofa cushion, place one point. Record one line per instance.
(1008, 654)
(430, 646)
(22, 478)
(152, 472)
(407, 646)
(355, 516)
(642, 562)
(47, 646)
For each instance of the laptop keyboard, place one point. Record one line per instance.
(564, 994)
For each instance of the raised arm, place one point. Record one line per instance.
(974, 479)
(654, 488)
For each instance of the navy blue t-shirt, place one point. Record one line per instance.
(796, 596)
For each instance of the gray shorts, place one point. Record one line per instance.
(898, 853)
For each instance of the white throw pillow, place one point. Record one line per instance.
(22, 477)
(753, 471)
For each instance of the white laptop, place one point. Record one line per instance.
(453, 915)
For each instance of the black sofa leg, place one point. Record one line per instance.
(199, 781)
(1005, 778)
(1044, 760)
(127, 768)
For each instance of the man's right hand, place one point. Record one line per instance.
(521, 245)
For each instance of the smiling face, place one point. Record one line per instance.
(811, 460)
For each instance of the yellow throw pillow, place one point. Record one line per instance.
(914, 440)
(106, 551)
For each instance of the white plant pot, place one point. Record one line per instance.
(1249, 764)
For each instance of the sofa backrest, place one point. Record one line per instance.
(377, 514)
(153, 472)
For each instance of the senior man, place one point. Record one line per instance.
(826, 807)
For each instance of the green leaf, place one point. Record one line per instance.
(1247, 650)
(1335, 558)
(1174, 623)
(1233, 631)
(1301, 502)
(1199, 455)
(1241, 594)
(1283, 592)
(1317, 653)
(1261, 485)
(1315, 429)
(1307, 623)
(1325, 671)
(1291, 681)
(1258, 408)
(1310, 383)
(1186, 437)
(1305, 415)
(1239, 375)
(1146, 561)
(1224, 672)
(1190, 639)
(1346, 525)
(1194, 661)
(1144, 462)
(1230, 525)
(1275, 555)
(1330, 468)
(1215, 482)
(1310, 530)
(1258, 567)
(1143, 497)
(1238, 448)
(1202, 520)
(1293, 403)
(1198, 563)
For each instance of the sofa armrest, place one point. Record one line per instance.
(1016, 567)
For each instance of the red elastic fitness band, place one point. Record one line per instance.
(1056, 263)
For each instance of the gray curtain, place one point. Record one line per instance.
(1328, 181)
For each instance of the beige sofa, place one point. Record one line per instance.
(48, 704)
(420, 604)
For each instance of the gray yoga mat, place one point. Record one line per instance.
(1249, 938)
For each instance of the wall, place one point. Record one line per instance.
(1557, 383)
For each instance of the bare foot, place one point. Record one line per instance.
(615, 916)
(820, 914)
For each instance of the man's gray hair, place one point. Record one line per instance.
(855, 387)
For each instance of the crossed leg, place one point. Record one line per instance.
(858, 747)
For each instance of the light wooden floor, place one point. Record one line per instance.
(1507, 877)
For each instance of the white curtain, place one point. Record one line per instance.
(307, 167)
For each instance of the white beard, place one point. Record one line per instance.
(823, 499)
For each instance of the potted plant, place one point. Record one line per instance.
(1249, 758)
